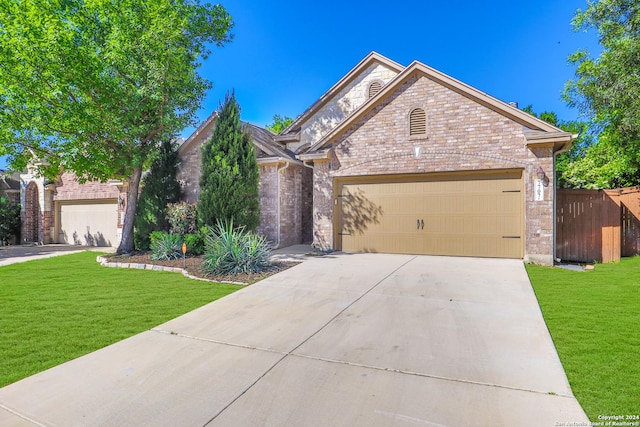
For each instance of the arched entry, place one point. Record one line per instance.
(32, 215)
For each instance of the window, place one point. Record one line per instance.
(417, 122)
(374, 88)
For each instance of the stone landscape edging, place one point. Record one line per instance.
(139, 266)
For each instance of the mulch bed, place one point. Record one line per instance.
(193, 267)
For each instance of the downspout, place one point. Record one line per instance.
(304, 163)
(287, 163)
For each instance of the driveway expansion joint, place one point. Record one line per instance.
(191, 337)
(19, 415)
(423, 375)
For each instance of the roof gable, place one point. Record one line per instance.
(538, 130)
(372, 58)
(261, 138)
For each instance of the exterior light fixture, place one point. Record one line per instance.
(542, 176)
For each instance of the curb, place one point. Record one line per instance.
(103, 262)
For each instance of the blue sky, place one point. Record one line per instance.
(286, 54)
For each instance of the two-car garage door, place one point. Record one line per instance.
(450, 214)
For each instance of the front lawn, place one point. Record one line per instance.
(54, 310)
(594, 319)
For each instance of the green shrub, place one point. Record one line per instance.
(165, 246)
(9, 220)
(159, 187)
(230, 250)
(195, 243)
(183, 217)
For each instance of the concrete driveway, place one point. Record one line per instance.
(344, 340)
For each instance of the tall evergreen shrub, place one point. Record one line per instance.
(229, 172)
(159, 187)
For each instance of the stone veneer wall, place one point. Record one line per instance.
(344, 103)
(461, 136)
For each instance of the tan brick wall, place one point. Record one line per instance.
(322, 205)
(268, 202)
(286, 206)
(461, 136)
(291, 206)
(68, 188)
(307, 205)
(190, 162)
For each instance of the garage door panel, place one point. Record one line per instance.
(89, 224)
(468, 215)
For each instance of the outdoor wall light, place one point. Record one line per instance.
(416, 151)
(542, 176)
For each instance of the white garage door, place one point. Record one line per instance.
(89, 224)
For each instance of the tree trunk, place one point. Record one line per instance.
(127, 244)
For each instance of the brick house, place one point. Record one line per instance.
(10, 186)
(410, 160)
(66, 211)
(284, 187)
(390, 159)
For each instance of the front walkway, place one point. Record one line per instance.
(341, 340)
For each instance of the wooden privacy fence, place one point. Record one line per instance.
(597, 225)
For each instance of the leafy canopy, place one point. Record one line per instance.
(605, 90)
(279, 123)
(92, 86)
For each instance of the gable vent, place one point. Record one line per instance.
(374, 88)
(417, 122)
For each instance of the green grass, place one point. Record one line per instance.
(594, 319)
(54, 310)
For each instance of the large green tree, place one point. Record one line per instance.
(564, 163)
(92, 86)
(605, 90)
(159, 188)
(229, 172)
(279, 123)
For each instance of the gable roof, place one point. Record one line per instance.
(538, 131)
(261, 138)
(292, 131)
(9, 182)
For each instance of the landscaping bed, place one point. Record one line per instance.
(193, 266)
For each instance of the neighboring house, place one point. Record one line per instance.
(390, 159)
(66, 211)
(10, 186)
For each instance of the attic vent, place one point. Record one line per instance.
(417, 122)
(374, 88)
